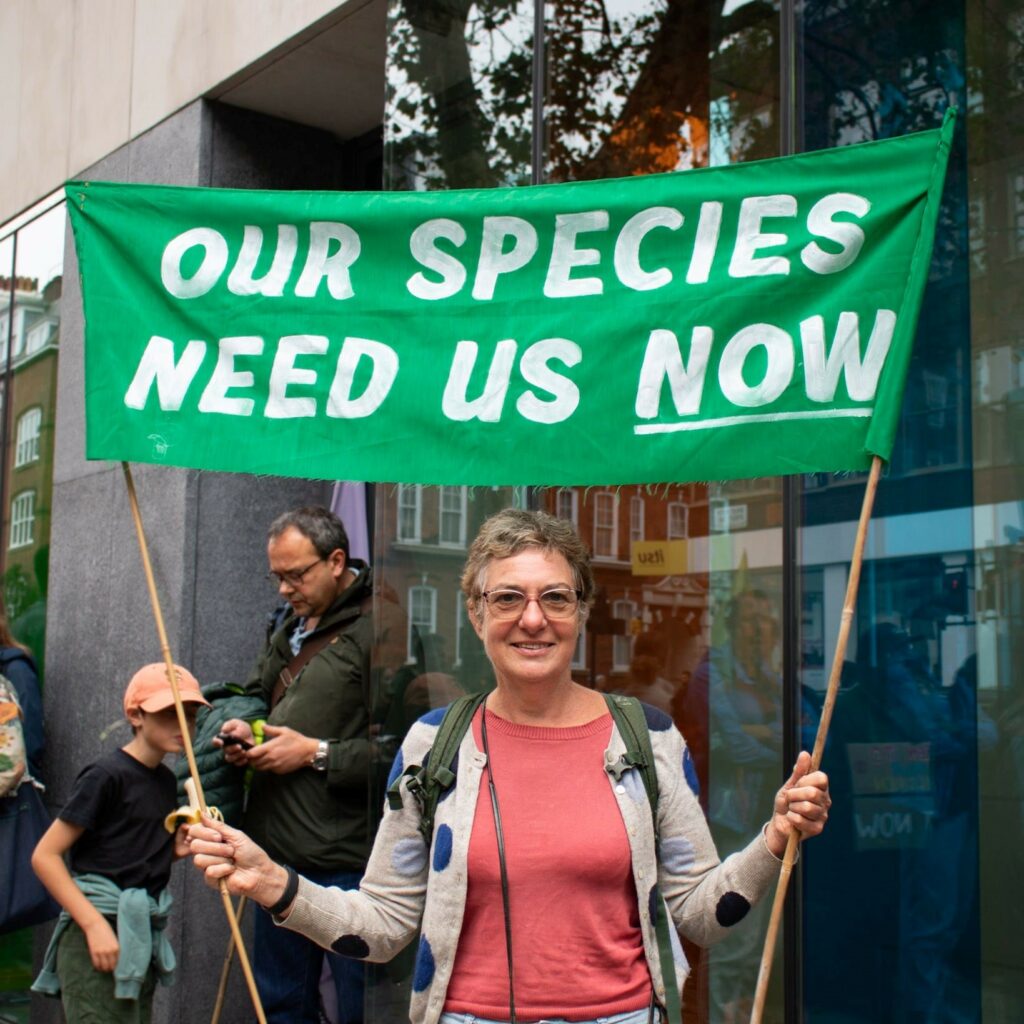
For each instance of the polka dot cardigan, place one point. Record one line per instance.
(408, 886)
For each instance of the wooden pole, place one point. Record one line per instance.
(186, 736)
(849, 606)
(225, 970)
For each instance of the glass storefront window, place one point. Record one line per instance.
(917, 860)
(458, 114)
(458, 105)
(630, 89)
(28, 435)
(925, 751)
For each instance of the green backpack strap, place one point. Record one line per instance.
(427, 782)
(629, 718)
(628, 714)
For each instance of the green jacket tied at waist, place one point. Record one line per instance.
(141, 936)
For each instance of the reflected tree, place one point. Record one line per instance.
(630, 88)
(459, 93)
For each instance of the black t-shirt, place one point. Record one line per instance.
(122, 804)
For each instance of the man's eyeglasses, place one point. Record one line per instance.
(557, 603)
(293, 577)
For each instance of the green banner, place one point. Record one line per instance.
(740, 321)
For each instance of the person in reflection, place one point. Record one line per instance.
(645, 680)
(578, 844)
(312, 759)
(418, 687)
(736, 696)
(933, 735)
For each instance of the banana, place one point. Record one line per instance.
(190, 815)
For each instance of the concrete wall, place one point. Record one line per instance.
(81, 77)
(205, 533)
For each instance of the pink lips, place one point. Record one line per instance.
(532, 649)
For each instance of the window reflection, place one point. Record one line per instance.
(635, 89)
(656, 86)
(921, 752)
(30, 308)
(458, 107)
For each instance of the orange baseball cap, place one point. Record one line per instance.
(150, 689)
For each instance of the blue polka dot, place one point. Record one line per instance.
(442, 847)
(634, 786)
(423, 975)
(690, 772)
(409, 856)
(677, 855)
(351, 945)
(445, 793)
(434, 716)
(657, 721)
(397, 767)
(731, 909)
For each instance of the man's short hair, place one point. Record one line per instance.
(319, 525)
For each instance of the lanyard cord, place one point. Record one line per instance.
(501, 865)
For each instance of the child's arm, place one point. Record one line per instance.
(48, 864)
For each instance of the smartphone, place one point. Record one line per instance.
(233, 741)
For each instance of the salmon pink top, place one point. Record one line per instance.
(576, 942)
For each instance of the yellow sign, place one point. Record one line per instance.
(659, 557)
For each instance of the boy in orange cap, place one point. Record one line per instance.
(110, 947)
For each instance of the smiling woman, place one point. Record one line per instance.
(528, 589)
(575, 880)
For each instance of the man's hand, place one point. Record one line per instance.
(283, 750)
(233, 752)
(103, 945)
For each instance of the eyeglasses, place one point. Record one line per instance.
(510, 604)
(293, 577)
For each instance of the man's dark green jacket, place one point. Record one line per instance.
(319, 821)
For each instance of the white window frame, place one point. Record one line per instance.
(23, 517)
(416, 506)
(1015, 183)
(39, 335)
(29, 426)
(622, 644)
(461, 625)
(462, 496)
(636, 519)
(428, 625)
(567, 500)
(677, 506)
(977, 251)
(608, 499)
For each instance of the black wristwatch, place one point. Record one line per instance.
(319, 762)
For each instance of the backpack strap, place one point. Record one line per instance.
(427, 782)
(628, 714)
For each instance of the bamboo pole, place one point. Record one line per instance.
(228, 957)
(849, 606)
(185, 734)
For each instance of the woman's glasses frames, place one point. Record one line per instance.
(557, 603)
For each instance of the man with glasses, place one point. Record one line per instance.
(308, 800)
